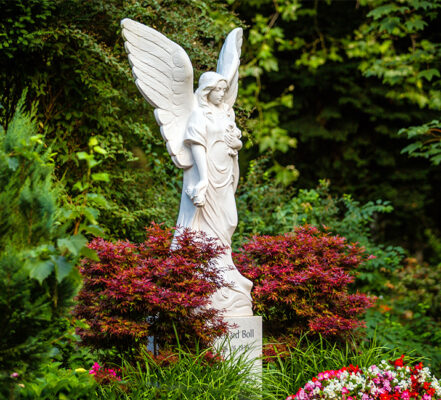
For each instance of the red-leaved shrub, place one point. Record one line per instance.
(301, 282)
(146, 290)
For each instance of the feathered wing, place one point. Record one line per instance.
(164, 75)
(228, 63)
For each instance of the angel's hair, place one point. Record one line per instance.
(207, 82)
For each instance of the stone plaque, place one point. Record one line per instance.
(246, 336)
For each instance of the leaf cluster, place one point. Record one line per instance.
(266, 207)
(38, 278)
(301, 282)
(149, 291)
(327, 87)
(70, 55)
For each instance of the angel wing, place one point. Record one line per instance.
(164, 75)
(228, 63)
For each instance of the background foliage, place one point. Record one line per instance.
(326, 87)
(341, 97)
(333, 82)
(38, 277)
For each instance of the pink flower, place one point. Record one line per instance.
(345, 390)
(14, 375)
(95, 368)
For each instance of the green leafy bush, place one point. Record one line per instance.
(409, 317)
(38, 278)
(268, 208)
(55, 382)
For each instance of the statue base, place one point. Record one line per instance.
(244, 338)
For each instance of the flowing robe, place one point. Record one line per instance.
(218, 217)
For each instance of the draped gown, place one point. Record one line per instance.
(218, 217)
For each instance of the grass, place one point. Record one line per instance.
(192, 378)
(189, 378)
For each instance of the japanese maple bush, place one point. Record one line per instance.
(136, 291)
(301, 282)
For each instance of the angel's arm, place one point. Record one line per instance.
(195, 139)
(200, 159)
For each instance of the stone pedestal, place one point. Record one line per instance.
(245, 337)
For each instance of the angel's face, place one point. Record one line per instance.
(216, 96)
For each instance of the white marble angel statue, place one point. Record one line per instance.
(202, 138)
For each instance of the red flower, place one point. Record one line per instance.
(354, 369)
(399, 362)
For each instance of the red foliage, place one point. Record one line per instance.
(301, 282)
(148, 289)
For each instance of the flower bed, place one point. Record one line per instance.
(389, 381)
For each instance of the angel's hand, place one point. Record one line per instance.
(197, 193)
(233, 141)
(228, 139)
(199, 201)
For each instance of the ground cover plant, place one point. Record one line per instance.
(200, 374)
(387, 381)
(184, 374)
(55, 382)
